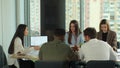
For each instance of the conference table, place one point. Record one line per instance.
(33, 55)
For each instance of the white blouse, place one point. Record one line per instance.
(18, 47)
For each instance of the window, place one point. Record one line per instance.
(105, 17)
(111, 17)
(32, 19)
(119, 18)
(72, 11)
(33, 13)
(111, 24)
(91, 12)
(35, 17)
(108, 9)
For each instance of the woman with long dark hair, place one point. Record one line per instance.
(74, 37)
(17, 47)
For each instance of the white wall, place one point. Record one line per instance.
(19, 12)
(0, 24)
(7, 22)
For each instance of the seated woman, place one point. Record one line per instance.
(107, 35)
(17, 48)
(74, 37)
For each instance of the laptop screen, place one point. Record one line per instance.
(38, 40)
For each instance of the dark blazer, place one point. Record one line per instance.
(111, 38)
(3, 61)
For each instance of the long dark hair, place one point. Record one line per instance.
(77, 30)
(19, 33)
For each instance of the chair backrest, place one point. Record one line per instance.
(53, 64)
(100, 64)
(3, 60)
(118, 44)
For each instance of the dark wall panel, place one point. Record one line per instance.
(52, 16)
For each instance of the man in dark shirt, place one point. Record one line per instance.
(57, 50)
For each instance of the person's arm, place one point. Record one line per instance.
(114, 42)
(113, 54)
(18, 47)
(66, 38)
(40, 53)
(80, 40)
(81, 55)
(72, 56)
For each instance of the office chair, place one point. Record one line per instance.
(51, 64)
(118, 44)
(3, 60)
(101, 64)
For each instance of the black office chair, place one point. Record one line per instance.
(118, 44)
(78, 64)
(101, 64)
(3, 60)
(51, 64)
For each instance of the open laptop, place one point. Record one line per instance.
(38, 40)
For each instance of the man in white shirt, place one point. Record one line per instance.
(95, 49)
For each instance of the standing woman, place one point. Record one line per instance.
(107, 35)
(73, 37)
(17, 47)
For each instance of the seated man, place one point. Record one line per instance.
(3, 61)
(95, 49)
(56, 50)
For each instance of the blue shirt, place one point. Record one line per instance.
(74, 41)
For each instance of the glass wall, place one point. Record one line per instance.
(35, 17)
(72, 11)
(94, 11)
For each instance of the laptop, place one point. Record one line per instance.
(38, 40)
